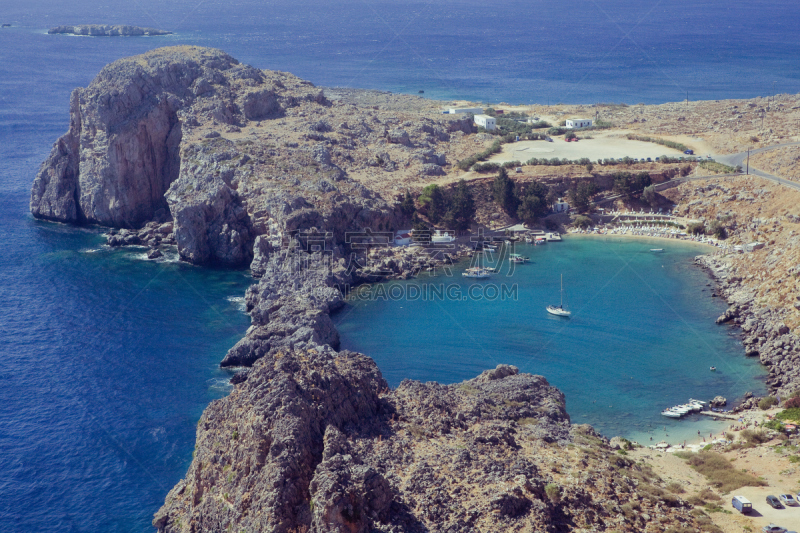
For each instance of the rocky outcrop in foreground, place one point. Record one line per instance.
(106, 30)
(316, 441)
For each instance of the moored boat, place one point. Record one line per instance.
(558, 310)
(476, 273)
(439, 237)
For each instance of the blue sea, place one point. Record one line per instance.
(107, 360)
(641, 336)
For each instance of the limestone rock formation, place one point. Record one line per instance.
(229, 153)
(122, 150)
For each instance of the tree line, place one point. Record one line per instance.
(453, 209)
(534, 200)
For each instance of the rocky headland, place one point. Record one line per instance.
(316, 441)
(108, 30)
(186, 147)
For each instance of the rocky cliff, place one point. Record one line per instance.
(227, 152)
(316, 441)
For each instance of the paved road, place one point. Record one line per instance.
(740, 158)
(735, 160)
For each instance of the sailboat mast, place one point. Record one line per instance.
(562, 290)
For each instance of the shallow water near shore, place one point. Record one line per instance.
(641, 337)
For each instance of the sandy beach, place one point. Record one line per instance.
(657, 239)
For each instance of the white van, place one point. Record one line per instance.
(742, 504)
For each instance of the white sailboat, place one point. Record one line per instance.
(559, 309)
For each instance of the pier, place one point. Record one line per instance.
(726, 416)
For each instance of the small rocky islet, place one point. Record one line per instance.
(187, 147)
(107, 30)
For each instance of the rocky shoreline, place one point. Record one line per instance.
(765, 335)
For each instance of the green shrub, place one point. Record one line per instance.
(662, 142)
(767, 402)
(753, 438)
(583, 222)
(631, 509)
(792, 414)
(719, 168)
(703, 497)
(720, 472)
(695, 228)
(657, 495)
(553, 492)
(675, 487)
(496, 147)
(717, 229)
(485, 167)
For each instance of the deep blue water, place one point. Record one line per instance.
(107, 361)
(642, 336)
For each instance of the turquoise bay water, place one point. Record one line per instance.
(642, 335)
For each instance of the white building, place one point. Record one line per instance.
(560, 206)
(473, 110)
(403, 237)
(573, 123)
(486, 122)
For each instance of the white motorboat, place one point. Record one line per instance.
(700, 404)
(439, 237)
(553, 237)
(517, 258)
(670, 413)
(656, 250)
(476, 273)
(558, 310)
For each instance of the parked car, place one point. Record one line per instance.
(689, 152)
(787, 499)
(658, 159)
(649, 160)
(774, 502)
(772, 528)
